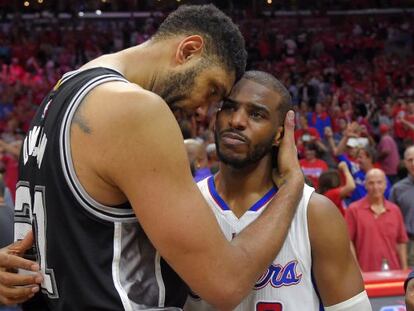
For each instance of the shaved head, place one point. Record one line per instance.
(409, 160)
(375, 172)
(195, 149)
(375, 183)
(408, 151)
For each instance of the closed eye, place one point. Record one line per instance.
(228, 105)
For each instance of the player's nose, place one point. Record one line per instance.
(238, 119)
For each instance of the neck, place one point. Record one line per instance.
(241, 188)
(143, 64)
(376, 201)
(367, 167)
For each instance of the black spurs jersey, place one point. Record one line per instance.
(92, 256)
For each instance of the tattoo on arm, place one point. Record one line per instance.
(81, 122)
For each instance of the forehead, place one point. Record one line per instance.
(362, 152)
(375, 177)
(248, 91)
(409, 154)
(219, 77)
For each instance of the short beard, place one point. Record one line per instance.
(254, 156)
(177, 86)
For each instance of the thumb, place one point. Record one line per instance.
(20, 247)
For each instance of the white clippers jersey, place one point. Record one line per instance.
(287, 284)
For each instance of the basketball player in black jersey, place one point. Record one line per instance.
(105, 185)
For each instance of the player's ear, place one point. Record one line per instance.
(278, 137)
(188, 48)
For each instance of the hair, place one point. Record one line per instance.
(269, 81)
(311, 146)
(370, 152)
(328, 180)
(223, 40)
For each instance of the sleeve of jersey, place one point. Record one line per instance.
(359, 302)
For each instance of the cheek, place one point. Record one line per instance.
(219, 125)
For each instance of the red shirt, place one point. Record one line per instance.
(376, 238)
(313, 169)
(310, 132)
(334, 195)
(305, 135)
(409, 131)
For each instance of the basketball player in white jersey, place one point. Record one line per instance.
(315, 267)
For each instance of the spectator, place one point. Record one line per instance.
(402, 194)
(311, 165)
(319, 119)
(366, 161)
(388, 155)
(9, 160)
(330, 185)
(197, 155)
(409, 118)
(6, 218)
(328, 152)
(305, 134)
(212, 157)
(347, 148)
(376, 228)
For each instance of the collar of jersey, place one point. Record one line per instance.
(223, 205)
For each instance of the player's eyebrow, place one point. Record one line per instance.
(259, 106)
(228, 99)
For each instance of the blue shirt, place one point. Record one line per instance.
(359, 178)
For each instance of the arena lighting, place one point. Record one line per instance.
(26, 3)
(269, 1)
(40, 1)
(98, 12)
(81, 14)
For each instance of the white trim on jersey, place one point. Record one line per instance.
(160, 281)
(115, 267)
(92, 206)
(66, 76)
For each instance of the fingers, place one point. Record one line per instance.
(287, 163)
(290, 122)
(21, 246)
(288, 141)
(15, 295)
(16, 288)
(289, 129)
(11, 261)
(13, 279)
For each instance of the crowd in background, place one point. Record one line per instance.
(351, 80)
